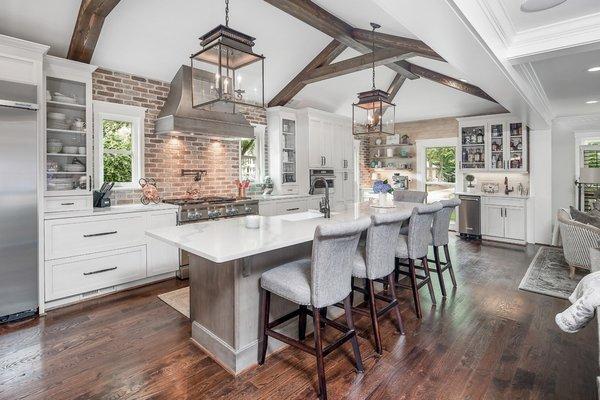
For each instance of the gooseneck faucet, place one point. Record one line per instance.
(324, 203)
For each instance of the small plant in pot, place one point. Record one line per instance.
(267, 186)
(470, 179)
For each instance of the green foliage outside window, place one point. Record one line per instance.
(443, 158)
(118, 156)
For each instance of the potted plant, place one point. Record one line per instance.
(382, 188)
(470, 178)
(267, 186)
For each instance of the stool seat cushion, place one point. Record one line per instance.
(359, 264)
(290, 281)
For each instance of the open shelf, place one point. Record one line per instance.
(52, 130)
(66, 155)
(66, 173)
(72, 106)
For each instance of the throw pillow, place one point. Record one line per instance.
(584, 217)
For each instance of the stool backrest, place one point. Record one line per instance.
(419, 229)
(411, 196)
(334, 248)
(380, 249)
(441, 222)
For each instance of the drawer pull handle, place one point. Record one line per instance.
(99, 234)
(67, 204)
(293, 209)
(99, 271)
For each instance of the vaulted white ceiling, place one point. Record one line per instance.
(152, 38)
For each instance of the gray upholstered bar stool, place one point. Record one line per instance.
(319, 282)
(414, 246)
(439, 234)
(411, 196)
(375, 262)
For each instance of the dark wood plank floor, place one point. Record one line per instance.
(487, 340)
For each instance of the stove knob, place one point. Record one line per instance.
(232, 211)
(247, 209)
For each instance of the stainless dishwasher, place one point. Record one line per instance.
(469, 216)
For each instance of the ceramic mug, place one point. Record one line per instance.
(252, 221)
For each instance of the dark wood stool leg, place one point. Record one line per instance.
(425, 266)
(265, 305)
(352, 284)
(449, 264)
(302, 323)
(354, 341)
(415, 289)
(392, 291)
(323, 314)
(438, 268)
(322, 390)
(373, 312)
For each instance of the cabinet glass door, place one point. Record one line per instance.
(66, 137)
(517, 145)
(288, 156)
(473, 147)
(497, 147)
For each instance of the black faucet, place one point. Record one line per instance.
(507, 191)
(324, 206)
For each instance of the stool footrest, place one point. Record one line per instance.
(283, 319)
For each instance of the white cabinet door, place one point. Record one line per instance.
(348, 186)
(493, 216)
(291, 206)
(161, 257)
(328, 143)
(339, 142)
(514, 223)
(348, 148)
(315, 143)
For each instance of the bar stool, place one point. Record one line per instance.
(414, 247)
(439, 233)
(319, 282)
(410, 196)
(375, 262)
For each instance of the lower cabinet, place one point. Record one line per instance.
(504, 219)
(162, 257)
(270, 208)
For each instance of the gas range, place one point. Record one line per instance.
(212, 207)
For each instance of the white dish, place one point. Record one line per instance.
(70, 149)
(63, 99)
(74, 168)
(60, 186)
(57, 116)
(81, 150)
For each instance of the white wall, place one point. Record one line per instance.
(541, 185)
(563, 170)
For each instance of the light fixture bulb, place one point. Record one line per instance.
(591, 102)
(594, 69)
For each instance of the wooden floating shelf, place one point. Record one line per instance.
(392, 145)
(66, 105)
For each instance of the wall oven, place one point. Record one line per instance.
(318, 184)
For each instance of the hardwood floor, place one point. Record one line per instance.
(487, 340)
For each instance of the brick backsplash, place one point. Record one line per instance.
(165, 156)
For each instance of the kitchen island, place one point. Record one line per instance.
(226, 262)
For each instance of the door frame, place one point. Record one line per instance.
(421, 146)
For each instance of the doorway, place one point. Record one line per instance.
(436, 170)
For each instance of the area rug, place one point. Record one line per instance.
(548, 274)
(178, 299)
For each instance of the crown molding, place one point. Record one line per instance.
(588, 122)
(528, 73)
(26, 45)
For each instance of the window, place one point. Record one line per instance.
(252, 156)
(118, 144)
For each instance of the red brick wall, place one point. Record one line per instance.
(165, 156)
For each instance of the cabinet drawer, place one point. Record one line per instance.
(79, 236)
(290, 189)
(82, 274)
(66, 204)
(504, 201)
(291, 207)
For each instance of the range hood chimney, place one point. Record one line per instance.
(179, 118)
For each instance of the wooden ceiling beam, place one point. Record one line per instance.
(386, 41)
(325, 57)
(88, 26)
(359, 63)
(450, 82)
(395, 86)
(322, 20)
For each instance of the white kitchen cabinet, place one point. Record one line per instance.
(161, 257)
(504, 219)
(267, 208)
(291, 206)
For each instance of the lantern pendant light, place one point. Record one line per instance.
(226, 73)
(374, 114)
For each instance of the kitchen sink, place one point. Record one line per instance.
(302, 216)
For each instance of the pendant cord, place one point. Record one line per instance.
(227, 13)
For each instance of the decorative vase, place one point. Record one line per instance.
(382, 199)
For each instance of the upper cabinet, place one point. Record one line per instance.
(284, 150)
(68, 130)
(496, 143)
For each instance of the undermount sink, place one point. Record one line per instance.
(302, 216)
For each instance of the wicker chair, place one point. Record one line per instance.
(577, 240)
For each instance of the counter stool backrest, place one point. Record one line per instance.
(333, 251)
(441, 222)
(380, 249)
(419, 229)
(410, 196)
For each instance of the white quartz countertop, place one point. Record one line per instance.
(274, 197)
(229, 239)
(122, 209)
(513, 195)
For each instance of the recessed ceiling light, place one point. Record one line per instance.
(591, 102)
(539, 5)
(594, 69)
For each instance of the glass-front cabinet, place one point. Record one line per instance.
(497, 143)
(68, 131)
(288, 151)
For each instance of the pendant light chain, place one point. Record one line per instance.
(373, 54)
(227, 13)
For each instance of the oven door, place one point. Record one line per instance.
(319, 185)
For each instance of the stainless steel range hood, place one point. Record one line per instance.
(179, 118)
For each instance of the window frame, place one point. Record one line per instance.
(125, 113)
(259, 137)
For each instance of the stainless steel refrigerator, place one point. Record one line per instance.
(18, 201)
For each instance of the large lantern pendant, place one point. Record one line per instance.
(226, 73)
(374, 114)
